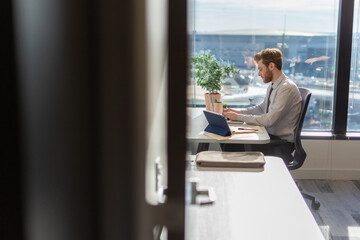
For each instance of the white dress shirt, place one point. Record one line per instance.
(284, 109)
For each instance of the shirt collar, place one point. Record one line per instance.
(278, 81)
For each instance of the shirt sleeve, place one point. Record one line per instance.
(279, 107)
(255, 110)
(258, 109)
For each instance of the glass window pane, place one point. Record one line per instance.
(305, 31)
(354, 89)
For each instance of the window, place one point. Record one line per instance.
(305, 31)
(353, 123)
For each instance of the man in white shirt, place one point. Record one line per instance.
(280, 110)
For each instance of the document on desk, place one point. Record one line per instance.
(216, 136)
(240, 129)
(230, 159)
(236, 131)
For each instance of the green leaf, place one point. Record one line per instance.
(209, 72)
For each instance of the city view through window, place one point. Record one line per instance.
(305, 31)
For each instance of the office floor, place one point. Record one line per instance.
(339, 213)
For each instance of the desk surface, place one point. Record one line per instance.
(199, 123)
(251, 205)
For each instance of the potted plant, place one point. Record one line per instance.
(210, 73)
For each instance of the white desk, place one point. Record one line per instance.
(198, 123)
(251, 206)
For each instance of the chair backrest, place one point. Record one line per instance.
(300, 154)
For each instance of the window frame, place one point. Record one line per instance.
(343, 65)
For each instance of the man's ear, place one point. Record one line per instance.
(271, 66)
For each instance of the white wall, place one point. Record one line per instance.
(330, 159)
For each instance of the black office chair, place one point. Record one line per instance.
(296, 160)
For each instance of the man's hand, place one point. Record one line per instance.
(227, 110)
(231, 115)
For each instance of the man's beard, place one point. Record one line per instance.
(268, 76)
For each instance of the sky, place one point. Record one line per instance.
(317, 16)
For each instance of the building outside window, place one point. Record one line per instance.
(354, 88)
(305, 31)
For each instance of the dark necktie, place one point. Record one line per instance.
(268, 102)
